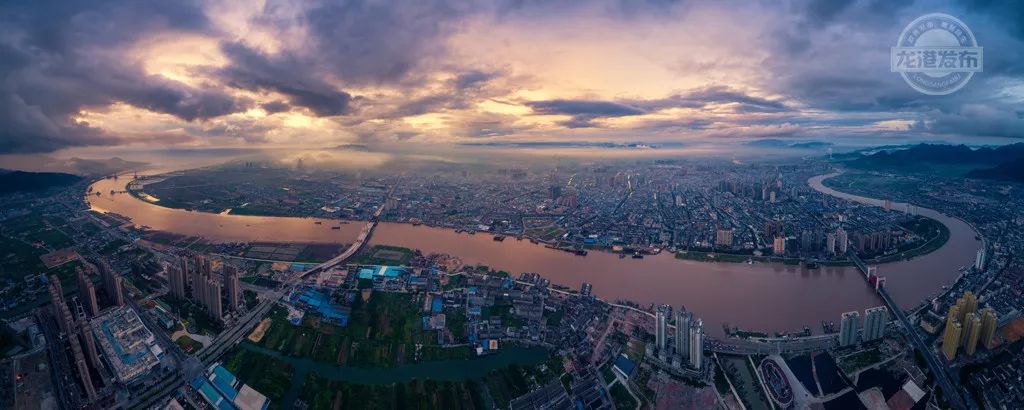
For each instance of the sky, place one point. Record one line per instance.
(102, 75)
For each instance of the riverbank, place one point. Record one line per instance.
(932, 244)
(776, 296)
(707, 256)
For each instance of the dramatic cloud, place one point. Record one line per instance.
(287, 73)
(283, 74)
(582, 112)
(58, 59)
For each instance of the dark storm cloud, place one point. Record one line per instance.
(583, 108)
(370, 42)
(58, 58)
(275, 107)
(834, 56)
(460, 92)
(583, 112)
(714, 95)
(973, 120)
(473, 79)
(283, 73)
(352, 43)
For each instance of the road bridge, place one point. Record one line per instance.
(942, 380)
(230, 336)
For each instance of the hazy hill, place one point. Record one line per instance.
(20, 181)
(930, 156)
(1007, 171)
(777, 143)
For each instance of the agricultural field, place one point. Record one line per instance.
(384, 255)
(321, 393)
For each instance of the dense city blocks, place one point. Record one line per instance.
(385, 307)
(512, 205)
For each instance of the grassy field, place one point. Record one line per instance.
(320, 393)
(856, 361)
(381, 333)
(249, 298)
(188, 345)
(622, 398)
(263, 373)
(384, 255)
(51, 237)
(19, 259)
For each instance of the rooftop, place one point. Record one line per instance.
(129, 346)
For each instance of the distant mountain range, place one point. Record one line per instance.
(1003, 162)
(21, 181)
(777, 143)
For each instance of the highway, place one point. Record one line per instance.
(950, 392)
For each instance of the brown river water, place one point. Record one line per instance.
(759, 296)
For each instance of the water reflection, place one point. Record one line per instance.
(762, 296)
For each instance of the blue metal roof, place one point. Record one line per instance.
(212, 396)
(225, 382)
(625, 365)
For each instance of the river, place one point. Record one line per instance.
(761, 296)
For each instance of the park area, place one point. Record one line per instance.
(381, 332)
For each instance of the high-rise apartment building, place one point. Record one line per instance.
(970, 303)
(87, 292)
(953, 316)
(683, 333)
(875, 320)
(697, 344)
(69, 327)
(972, 332)
(176, 279)
(233, 285)
(951, 341)
(842, 241)
(724, 238)
(779, 245)
(112, 282)
(211, 298)
(661, 327)
(989, 321)
(88, 340)
(848, 328)
(980, 260)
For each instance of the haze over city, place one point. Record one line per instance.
(459, 204)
